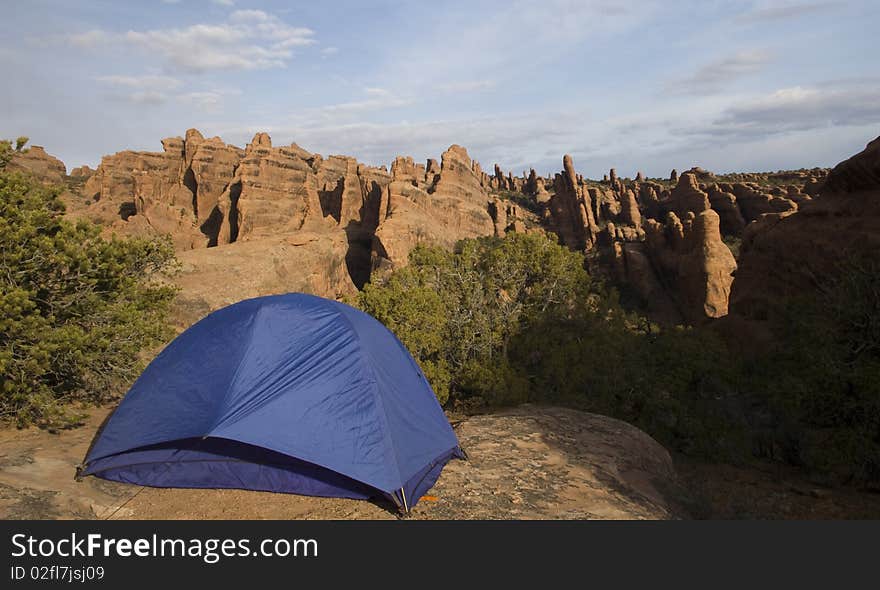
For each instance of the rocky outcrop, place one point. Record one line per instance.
(859, 173)
(206, 193)
(690, 260)
(687, 197)
(306, 261)
(571, 209)
(173, 192)
(705, 269)
(632, 266)
(629, 210)
(452, 204)
(459, 177)
(754, 202)
(274, 192)
(41, 165)
(208, 168)
(702, 176)
(790, 254)
(725, 204)
(137, 193)
(531, 183)
(81, 172)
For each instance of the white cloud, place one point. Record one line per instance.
(492, 41)
(378, 100)
(156, 90)
(775, 11)
(208, 101)
(714, 76)
(249, 39)
(794, 109)
(467, 87)
(140, 90)
(156, 83)
(224, 2)
(89, 38)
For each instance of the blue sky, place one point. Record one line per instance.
(642, 85)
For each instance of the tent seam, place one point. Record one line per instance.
(376, 395)
(250, 337)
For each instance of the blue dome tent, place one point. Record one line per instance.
(286, 393)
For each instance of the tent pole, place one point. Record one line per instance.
(403, 495)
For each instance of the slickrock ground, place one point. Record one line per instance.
(525, 463)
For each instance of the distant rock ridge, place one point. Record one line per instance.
(664, 240)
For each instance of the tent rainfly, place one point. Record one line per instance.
(286, 393)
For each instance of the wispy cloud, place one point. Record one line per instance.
(157, 90)
(207, 101)
(247, 40)
(793, 109)
(377, 99)
(158, 83)
(89, 39)
(467, 86)
(140, 90)
(714, 76)
(787, 10)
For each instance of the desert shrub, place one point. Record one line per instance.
(505, 321)
(527, 202)
(821, 383)
(457, 312)
(672, 382)
(75, 309)
(8, 149)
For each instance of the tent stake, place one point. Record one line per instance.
(403, 495)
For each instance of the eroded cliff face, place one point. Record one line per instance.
(788, 254)
(424, 205)
(270, 218)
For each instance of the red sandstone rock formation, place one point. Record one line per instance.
(453, 206)
(572, 210)
(41, 165)
(692, 260)
(688, 197)
(787, 254)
